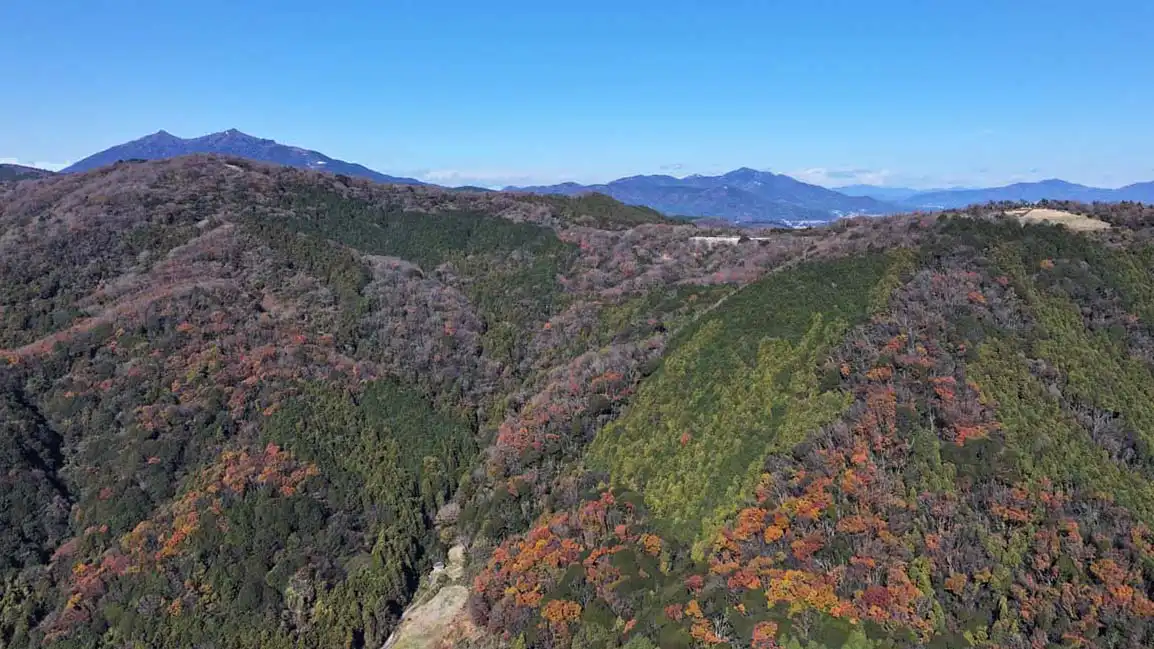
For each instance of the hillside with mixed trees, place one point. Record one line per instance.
(13, 173)
(250, 406)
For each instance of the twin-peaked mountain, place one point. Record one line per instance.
(161, 145)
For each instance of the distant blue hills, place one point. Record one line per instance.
(894, 194)
(743, 196)
(1053, 189)
(749, 196)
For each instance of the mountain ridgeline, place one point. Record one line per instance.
(12, 173)
(1046, 190)
(746, 197)
(246, 405)
(751, 197)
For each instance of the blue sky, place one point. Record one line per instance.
(902, 93)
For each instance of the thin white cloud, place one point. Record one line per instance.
(50, 166)
(493, 178)
(841, 177)
(885, 178)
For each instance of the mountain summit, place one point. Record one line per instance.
(163, 144)
(743, 196)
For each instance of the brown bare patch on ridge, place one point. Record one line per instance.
(1076, 222)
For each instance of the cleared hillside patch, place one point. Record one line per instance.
(1077, 222)
(436, 607)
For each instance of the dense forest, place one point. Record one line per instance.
(251, 406)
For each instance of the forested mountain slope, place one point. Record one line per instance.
(944, 445)
(248, 406)
(235, 396)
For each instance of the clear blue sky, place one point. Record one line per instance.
(918, 92)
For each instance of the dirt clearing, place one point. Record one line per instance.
(437, 613)
(1073, 221)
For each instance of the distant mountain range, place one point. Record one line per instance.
(20, 172)
(162, 145)
(742, 196)
(747, 196)
(1053, 189)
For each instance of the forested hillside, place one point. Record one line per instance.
(235, 396)
(13, 173)
(943, 445)
(249, 406)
